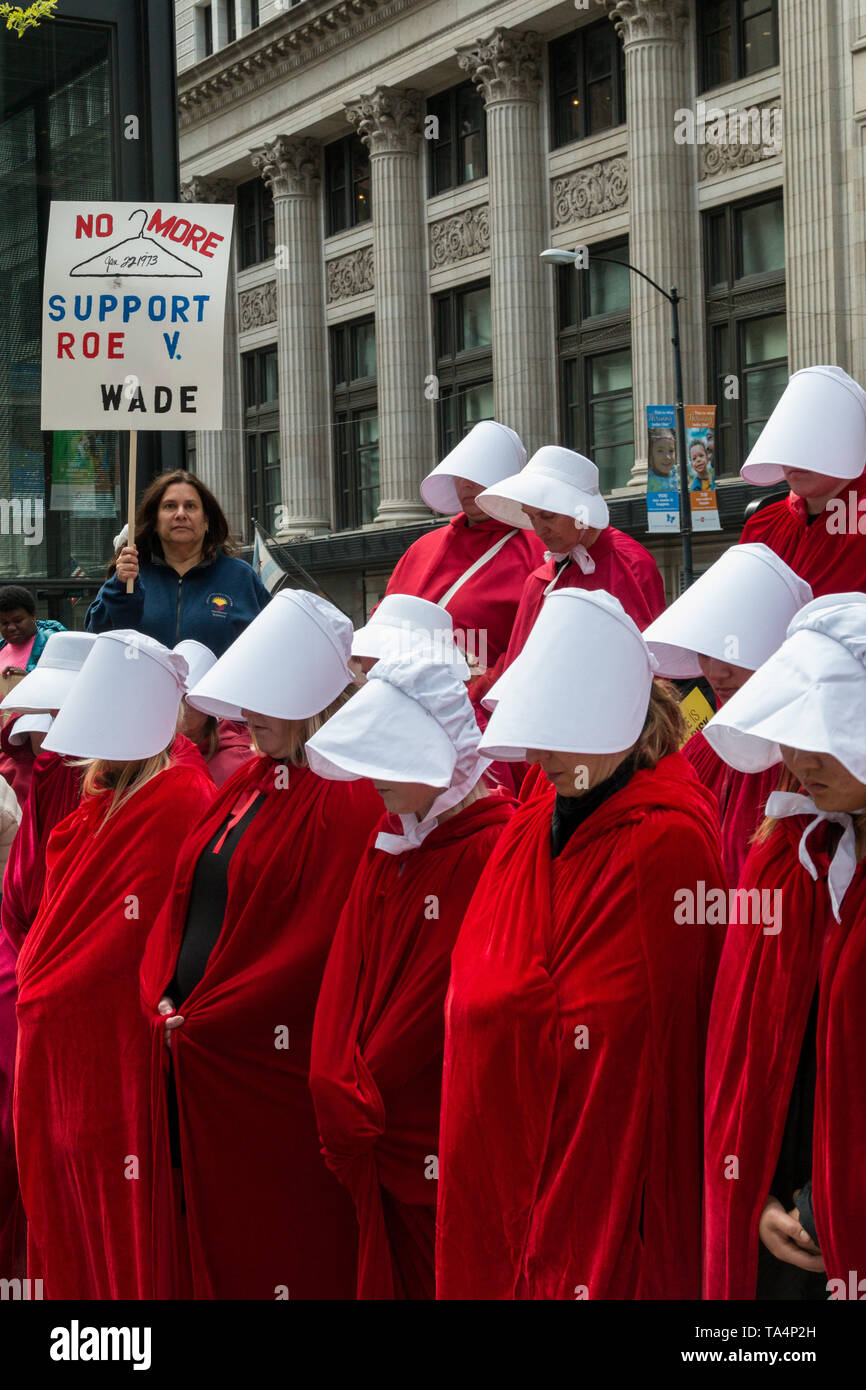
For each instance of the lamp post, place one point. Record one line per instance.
(554, 256)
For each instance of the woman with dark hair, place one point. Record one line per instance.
(188, 581)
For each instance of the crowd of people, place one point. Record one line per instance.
(435, 959)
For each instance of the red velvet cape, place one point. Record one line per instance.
(82, 1080)
(376, 1070)
(16, 761)
(262, 1211)
(760, 1008)
(234, 750)
(741, 798)
(832, 563)
(488, 601)
(623, 567)
(570, 1161)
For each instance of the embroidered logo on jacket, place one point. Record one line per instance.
(219, 604)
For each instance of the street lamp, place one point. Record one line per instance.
(555, 256)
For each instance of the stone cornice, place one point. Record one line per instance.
(638, 20)
(507, 66)
(207, 190)
(288, 166)
(274, 50)
(388, 119)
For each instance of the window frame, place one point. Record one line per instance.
(460, 369)
(580, 343)
(343, 155)
(730, 306)
(577, 39)
(261, 418)
(736, 44)
(352, 400)
(450, 99)
(262, 216)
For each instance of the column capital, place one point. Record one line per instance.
(288, 166)
(638, 20)
(388, 119)
(506, 66)
(207, 190)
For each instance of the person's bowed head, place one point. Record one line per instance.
(404, 626)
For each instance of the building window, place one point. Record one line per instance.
(735, 39)
(231, 22)
(464, 361)
(347, 184)
(458, 151)
(744, 260)
(205, 30)
(262, 435)
(356, 423)
(255, 223)
(189, 443)
(594, 322)
(254, 14)
(587, 83)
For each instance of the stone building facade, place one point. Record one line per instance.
(399, 165)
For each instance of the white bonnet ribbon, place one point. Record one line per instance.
(445, 699)
(843, 865)
(579, 554)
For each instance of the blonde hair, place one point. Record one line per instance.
(664, 728)
(303, 729)
(122, 783)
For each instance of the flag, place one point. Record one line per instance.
(264, 564)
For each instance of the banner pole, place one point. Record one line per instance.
(130, 510)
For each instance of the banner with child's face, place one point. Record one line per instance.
(663, 480)
(700, 452)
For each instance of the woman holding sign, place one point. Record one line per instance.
(188, 584)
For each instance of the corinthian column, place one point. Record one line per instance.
(816, 130)
(219, 453)
(506, 69)
(290, 168)
(389, 122)
(662, 239)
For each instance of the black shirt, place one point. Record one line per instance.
(571, 811)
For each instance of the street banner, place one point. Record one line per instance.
(700, 450)
(133, 314)
(663, 482)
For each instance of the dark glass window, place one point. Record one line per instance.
(347, 184)
(587, 83)
(458, 150)
(464, 361)
(207, 29)
(254, 14)
(594, 313)
(747, 347)
(255, 223)
(231, 22)
(262, 435)
(356, 422)
(735, 39)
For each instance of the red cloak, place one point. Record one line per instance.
(82, 1082)
(741, 798)
(263, 1213)
(623, 567)
(16, 761)
(761, 1004)
(235, 749)
(486, 603)
(570, 1146)
(830, 557)
(376, 1070)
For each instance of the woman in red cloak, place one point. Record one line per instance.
(724, 627)
(224, 744)
(786, 1054)
(244, 1206)
(570, 1150)
(376, 1067)
(82, 1076)
(815, 441)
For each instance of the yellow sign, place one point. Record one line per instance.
(697, 711)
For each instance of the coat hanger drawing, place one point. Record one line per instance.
(137, 257)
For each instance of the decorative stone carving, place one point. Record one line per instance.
(205, 190)
(635, 20)
(288, 166)
(350, 275)
(763, 121)
(591, 191)
(507, 66)
(457, 238)
(257, 307)
(388, 119)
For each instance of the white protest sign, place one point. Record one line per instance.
(132, 315)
